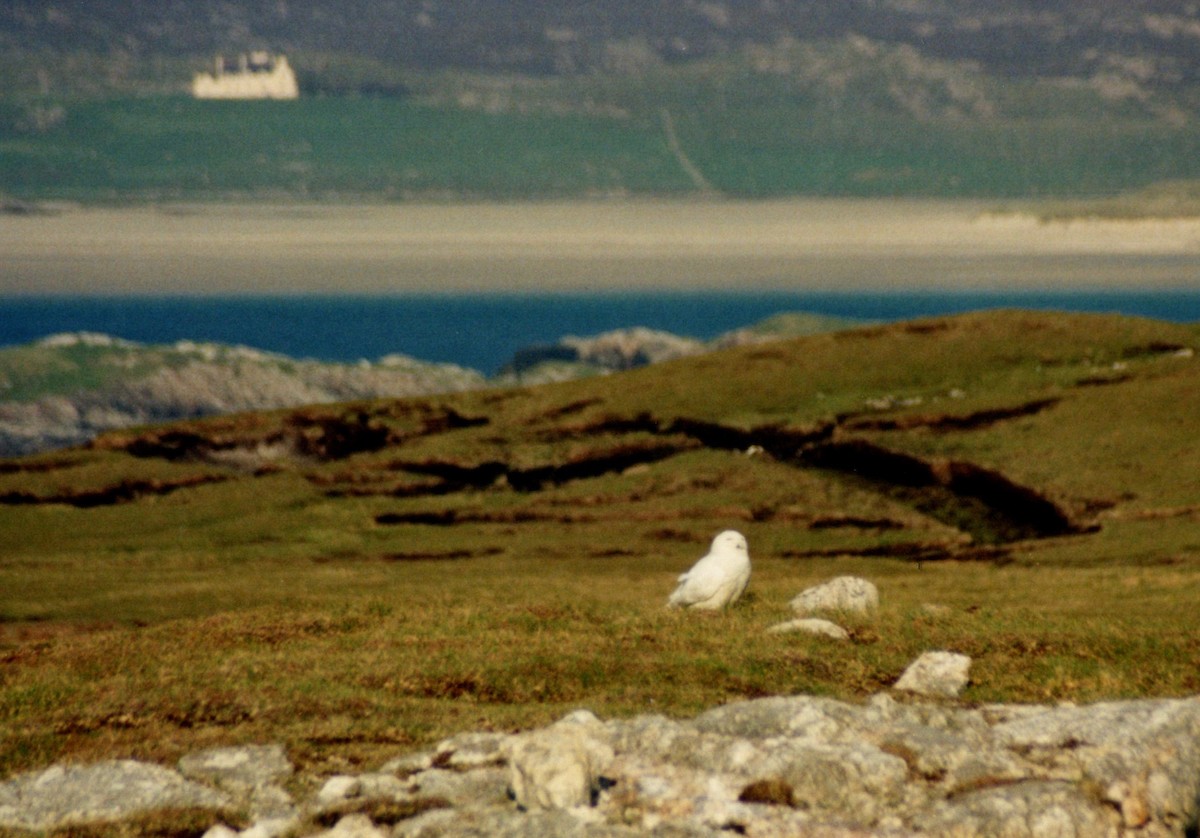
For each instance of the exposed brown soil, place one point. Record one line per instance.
(947, 422)
(122, 492)
(982, 502)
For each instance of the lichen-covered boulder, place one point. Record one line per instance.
(847, 594)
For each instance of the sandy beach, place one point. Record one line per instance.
(792, 245)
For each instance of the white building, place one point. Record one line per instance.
(257, 75)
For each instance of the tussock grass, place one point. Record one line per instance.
(278, 607)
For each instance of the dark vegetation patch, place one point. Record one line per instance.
(772, 791)
(983, 502)
(1102, 380)
(1153, 348)
(311, 434)
(439, 555)
(124, 491)
(916, 552)
(947, 422)
(451, 517)
(36, 466)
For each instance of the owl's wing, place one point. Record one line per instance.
(702, 582)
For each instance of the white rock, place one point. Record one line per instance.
(354, 826)
(845, 593)
(270, 828)
(557, 767)
(338, 788)
(220, 831)
(237, 768)
(811, 625)
(111, 790)
(941, 674)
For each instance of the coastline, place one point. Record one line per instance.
(808, 244)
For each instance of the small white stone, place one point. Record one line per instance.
(811, 625)
(940, 674)
(220, 830)
(844, 593)
(338, 788)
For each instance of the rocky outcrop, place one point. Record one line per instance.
(613, 351)
(846, 594)
(781, 766)
(937, 674)
(121, 384)
(113, 790)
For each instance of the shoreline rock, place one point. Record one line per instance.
(781, 766)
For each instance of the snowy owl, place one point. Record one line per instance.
(719, 578)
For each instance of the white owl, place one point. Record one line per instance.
(718, 579)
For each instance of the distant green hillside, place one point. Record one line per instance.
(861, 126)
(567, 98)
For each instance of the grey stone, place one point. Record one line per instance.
(847, 594)
(1036, 809)
(271, 828)
(885, 767)
(220, 830)
(1144, 755)
(472, 750)
(104, 791)
(485, 786)
(858, 782)
(795, 716)
(938, 674)
(558, 767)
(509, 823)
(240, 768)
(354, 826)
(338, 789)
(811, 625)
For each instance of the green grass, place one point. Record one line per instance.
(280, 606)
(835, 124)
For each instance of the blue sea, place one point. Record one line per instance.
(483, 331)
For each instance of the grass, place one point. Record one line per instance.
(835, 122)
(327, 605)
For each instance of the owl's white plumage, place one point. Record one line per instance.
(718, 579)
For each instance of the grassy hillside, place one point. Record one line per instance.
(845, 117)
(358, 579)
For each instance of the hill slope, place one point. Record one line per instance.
(352, 579)
(581, 99)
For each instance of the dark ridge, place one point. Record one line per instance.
(418, 556)
(180, 445)
(946, 422)
(123, 492)
(1154, 347)
(612, 461)
(320, 436)
(782, 443)
(1102, 380)
(566, 409)
(337, 437)
(980, 501)
(445, 555)
(830, 522)
(912, 552)
(456, 477)
(21, 467)
(450, 419)
(450, 517)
